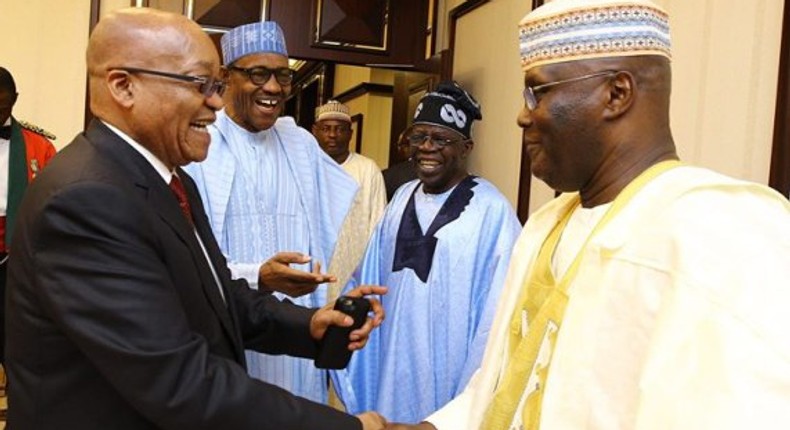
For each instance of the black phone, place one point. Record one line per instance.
(333, 352)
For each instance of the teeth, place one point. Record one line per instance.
(429, 163)
(200, 124)
(266, 103)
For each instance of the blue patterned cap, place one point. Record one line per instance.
(256, 38)
(568, 30)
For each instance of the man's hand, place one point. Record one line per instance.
(372, 421)
(276, 274)
(420, 426)
(327, 316)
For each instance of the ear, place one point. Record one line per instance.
(121, 87)
(224, 74)
(468, 146)
(622, 92)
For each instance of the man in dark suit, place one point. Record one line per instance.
(122, 313)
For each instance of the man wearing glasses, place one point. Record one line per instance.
(442, 249)
(121, 310)
(273, 197)
(650, 294)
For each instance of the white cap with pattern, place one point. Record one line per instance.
(568, 30)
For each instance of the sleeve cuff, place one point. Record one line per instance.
(249, 272)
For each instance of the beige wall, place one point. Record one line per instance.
(44, 48)
(725, 67)
(488, 67)
(376, 109)
(726, 60)
(725, 71)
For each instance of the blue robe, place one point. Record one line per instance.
(435, 331)
(267, 192)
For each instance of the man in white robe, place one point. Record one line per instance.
(442, 248)
(650, 295)
(275, 200)
(332, 129)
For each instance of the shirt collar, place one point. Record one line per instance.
(156, 163)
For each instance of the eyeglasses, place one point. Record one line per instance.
(530, 93)
(208, 86)
(417, 140)
(260, 75)
(338, 129)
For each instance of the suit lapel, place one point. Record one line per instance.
(160, 199)
(224, 308)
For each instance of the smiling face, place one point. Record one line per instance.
(167, 116)
(561, 135)
(256, 107)
(170, 116)
(439, 168)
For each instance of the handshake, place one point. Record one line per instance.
(374, 421)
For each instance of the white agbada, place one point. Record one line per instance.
(365, 212)
(677, 317)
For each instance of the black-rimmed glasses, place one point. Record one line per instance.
(208, 86)
(417, 139)
(531, 100)
(260, 75)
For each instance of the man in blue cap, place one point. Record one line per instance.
(273, 197)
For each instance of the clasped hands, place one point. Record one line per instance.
(374, 421)
(276, 274)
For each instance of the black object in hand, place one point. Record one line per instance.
(333, 352)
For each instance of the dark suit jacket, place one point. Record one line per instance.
(115, 321)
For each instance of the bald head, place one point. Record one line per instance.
(137, 37)
(154, 76)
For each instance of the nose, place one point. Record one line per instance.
(215, 102)
(524, 119)
(271, 85)
(427, 145)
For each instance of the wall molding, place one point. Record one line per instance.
(362, 89)
(779, 178)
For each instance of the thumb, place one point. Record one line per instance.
(291, 257)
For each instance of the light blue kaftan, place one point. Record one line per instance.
(434, 334)
(267, 192)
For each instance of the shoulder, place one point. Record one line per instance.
(287, 127)
(405, 190)
(685, 188)
(37, 130)
(488, 192)
(363, 162)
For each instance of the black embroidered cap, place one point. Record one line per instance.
(449, 106)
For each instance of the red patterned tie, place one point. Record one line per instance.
(181, 195)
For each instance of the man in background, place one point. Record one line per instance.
(332, 129)
(400, 172)
(24, 150)
(650, 294)
(442, 248)
(273, 197)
